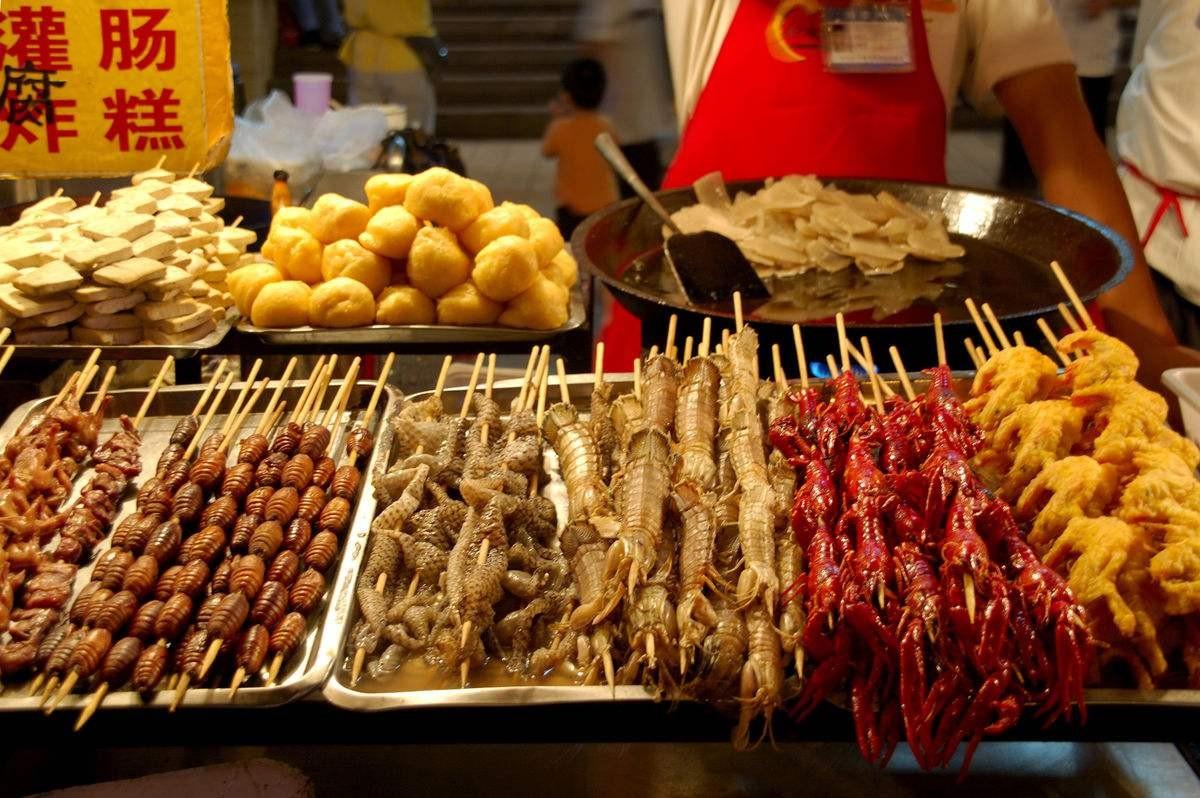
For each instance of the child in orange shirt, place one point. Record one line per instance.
(583, 181)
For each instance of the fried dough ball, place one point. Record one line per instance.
(350, 259)
(436, 263)
(562, 269)
(403, 304)
(529, 213)
(335, 217)
(247, 281)
(491, 225)
(390, 232)
(543, 306)
(483, 195)
(297, 253)
(505, 268)
(385, 190)
(465, 305)
(281, 304)
(444, 198)
(341, 302)
(290, 216)
(546, 239)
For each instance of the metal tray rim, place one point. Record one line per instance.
(129, 351)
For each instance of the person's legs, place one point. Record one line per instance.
(415, 92)
(305, 12)
(644, 157)
(1182, 314)
(365, 88)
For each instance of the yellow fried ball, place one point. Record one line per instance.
(546, 240)
(281, 304)
(529, 213)
(505, 268)
(335, 217)
(483, 195)
(390, 232)
(562, 269)
(436, 263)
(297, 253)
(290, 216)
(403, 304)
(350, 259)
(491, 225)
(341, 302)
(465, 305)
(444, 198)
(384, 190)
(247, 281)
(543, 306)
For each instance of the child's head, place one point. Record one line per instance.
(583, 81)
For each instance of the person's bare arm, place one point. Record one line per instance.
(1047, 109)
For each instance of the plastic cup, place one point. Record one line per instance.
(312, 91)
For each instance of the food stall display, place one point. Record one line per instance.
(426, 249)
(147, 266)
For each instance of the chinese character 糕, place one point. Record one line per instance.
(149, 120)
(39, 38)
(145, 45)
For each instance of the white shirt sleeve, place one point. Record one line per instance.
(1005, 38)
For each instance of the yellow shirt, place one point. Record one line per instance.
(583, 182)
(377, 31)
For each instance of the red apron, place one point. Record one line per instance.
(1168, 200)
(770, 108)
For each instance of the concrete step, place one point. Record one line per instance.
(509, 56)
(530, 28)
(528, 88)
(492, 121)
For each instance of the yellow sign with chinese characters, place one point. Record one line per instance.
(107, 87)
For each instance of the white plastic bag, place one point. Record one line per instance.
(272, 135)
(350, 138)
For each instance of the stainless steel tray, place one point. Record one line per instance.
(72, 350)
(305, 670)
(344, 613)
(384, 334)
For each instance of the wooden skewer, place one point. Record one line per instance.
(213, 381)
(738, 319)
(1076, 302)
(1069, 318)
(527, 377)
(228, 427)
(204, 422)
(58, 192)
(195, 167)
(95, 199)
(1053, 339)
(384, 373)
(653, 353)
(725, 336)
(801, 360)
(637, 379)
(471, 383)
(902, 372)
(972, 352)
(63, 392)
(563, 393)
(843, 342)
(872, 373)
(313, 377)
(237, 221)
(777, 366)
(88, 370)
(598, 369)
(688, 343)
(281, 385)
(103, 391)
(342, 398)
(877, 378)
(7, 356)
(996, 328)
(832, 365)
(1018, 338)
(92, 705)
(7, 331)
(672, 328)
(154, 386)
(318, 397)
(940, 336)
(984, 335)
(705, 337)
(161, 160)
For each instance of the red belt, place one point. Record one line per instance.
(1168, 200)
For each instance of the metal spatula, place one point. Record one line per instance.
(708, 266)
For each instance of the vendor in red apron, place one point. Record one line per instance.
(774, 87)
(1158, 127)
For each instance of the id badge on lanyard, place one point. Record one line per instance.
(867, 37)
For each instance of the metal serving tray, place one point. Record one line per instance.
(305, 670)
(384, 334)
(71, 349)
(344, 612)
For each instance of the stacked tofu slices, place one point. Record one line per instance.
(147, 266)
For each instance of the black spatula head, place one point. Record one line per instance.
(710, 268)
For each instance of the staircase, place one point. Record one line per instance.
(505, 59)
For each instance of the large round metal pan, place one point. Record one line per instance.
(1009, 244)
